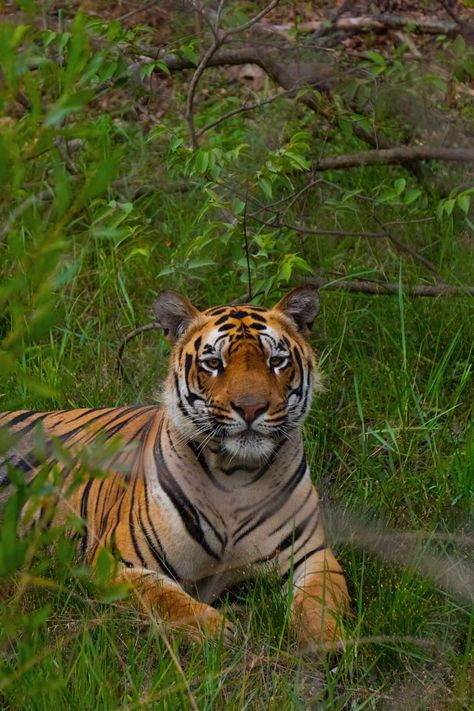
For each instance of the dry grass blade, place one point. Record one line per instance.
(448, 571)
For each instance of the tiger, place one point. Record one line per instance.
(213, 487)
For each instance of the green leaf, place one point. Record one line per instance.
(412, 195)
(175, 143)
(189, 52)
(459, 47)
(101, 178)
(388, 196)
(202, 161)
(400, 185)
(67, 105)
(376, 57)
(238, 206)
(464, 202)
(266, 187)
(449, 205)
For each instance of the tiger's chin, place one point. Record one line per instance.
(248, 447)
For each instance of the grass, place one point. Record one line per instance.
(391, 440)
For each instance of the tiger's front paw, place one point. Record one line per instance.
(212, 623)
(318, 630)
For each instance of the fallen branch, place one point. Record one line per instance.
(381, 288)
(278, 64)
(396, 155)
(368, 23)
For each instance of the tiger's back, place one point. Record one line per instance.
(114, 438)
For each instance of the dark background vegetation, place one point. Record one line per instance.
(224, 148)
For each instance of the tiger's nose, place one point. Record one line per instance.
(249, 409)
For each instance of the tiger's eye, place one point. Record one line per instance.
(276, 361)
(213, 363)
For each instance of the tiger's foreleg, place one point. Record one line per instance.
(158, 594)
(320, 597)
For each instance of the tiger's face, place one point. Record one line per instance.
(240, 375)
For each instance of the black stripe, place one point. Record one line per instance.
(131, 526)
(122, 412)
(165, 564)
(222, 319)
(84, 502)
(284, 493)
(298, 390)
(294, 535)
(197, 451)
(239, 468)
(186, 510)
(292, 569)
(257, 317)
(23, 416)
(86, 412)
(294, 513)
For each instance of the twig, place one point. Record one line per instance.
(142, 329)
(141, 8)
(451, 13)
(247, 251)
(242, 109)
(256, 18)
(278, 224)
(382, 288)
(402, 247)
(246, 298)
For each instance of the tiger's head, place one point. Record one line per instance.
(241, 375)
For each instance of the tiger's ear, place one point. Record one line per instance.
(174, 313)
(302, 306)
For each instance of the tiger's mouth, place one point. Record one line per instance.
(248, 446)
(247, 435)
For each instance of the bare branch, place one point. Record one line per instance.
(218, 41)
(253, 21)
(193, 86)
(451, 13)
(142, 8)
